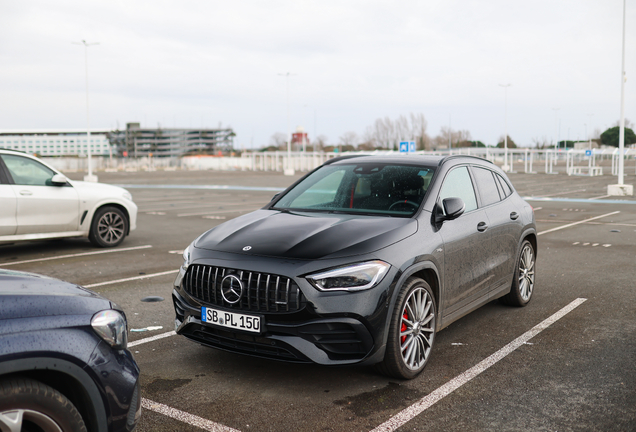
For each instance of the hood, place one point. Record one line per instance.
(306, 235)
(98, 188)
(24, 295)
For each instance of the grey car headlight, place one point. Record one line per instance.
(354, 277)
(110, 325)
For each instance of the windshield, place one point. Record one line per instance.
(378, 189)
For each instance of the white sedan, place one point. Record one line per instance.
(38, 202)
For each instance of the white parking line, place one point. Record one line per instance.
(185, 417)
(130, 279)
(77, 255)
(576, 223)
(429, 400)
(151, 339)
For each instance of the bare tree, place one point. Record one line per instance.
(320, 142)
(541, 143)
(418, 131)
(387, 133)
(279, 140)
(349, 139)
(628, 124)
(457, 138)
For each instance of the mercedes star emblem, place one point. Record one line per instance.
(231, 289)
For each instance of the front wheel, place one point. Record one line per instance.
(523, 282)
(109, 227)
(411, 331)
(29, 405)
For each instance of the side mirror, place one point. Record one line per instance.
(59, 180)
(453, 208)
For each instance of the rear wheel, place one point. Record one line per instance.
(411, 331)
(27, 405)
(109, 227)
(523, 282)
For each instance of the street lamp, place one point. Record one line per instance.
(505, 86)
(289, 171)
(621, 188)
(556, 127)
(90, 177)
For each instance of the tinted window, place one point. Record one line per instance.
(487, 186)
(457, 184)
(504, 185)
(27, 171)
(397, 190)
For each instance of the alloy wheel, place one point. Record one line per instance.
(526, 272)
(111, 227)
(15, 420)
(417, 328)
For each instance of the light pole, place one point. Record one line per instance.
(289, 171)
(556, 127)
(621, 188)
(450, 134)
(90, 177)
(505, 86)
(621, 133)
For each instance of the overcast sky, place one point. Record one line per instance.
(210, 63)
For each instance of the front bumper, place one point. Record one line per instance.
(299, 323)
(338, 340)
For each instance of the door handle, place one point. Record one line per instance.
(26, 192)
(482, 226)
(514, 215)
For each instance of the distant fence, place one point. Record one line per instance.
(571, 162)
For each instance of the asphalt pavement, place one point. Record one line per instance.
(563, 363)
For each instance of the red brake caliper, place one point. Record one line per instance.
(403, 328)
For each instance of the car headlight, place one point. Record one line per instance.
(127, 195)
(110, 325)
(355, 277)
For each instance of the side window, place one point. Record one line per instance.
(27, 171)
(486, 185)
(457, 184)
(504, 186)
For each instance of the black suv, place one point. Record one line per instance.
(361, 261)
(64, 365)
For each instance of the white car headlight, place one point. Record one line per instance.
(355, 277)
(127, 195)
(110, 325)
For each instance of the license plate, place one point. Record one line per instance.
(231, 320)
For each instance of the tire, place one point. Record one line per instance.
(109, 227)
(523, 282)
(28, 405)
(410, 341)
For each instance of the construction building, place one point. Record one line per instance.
(136, 141)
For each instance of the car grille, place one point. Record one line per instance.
(262, 292)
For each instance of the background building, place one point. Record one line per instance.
(132, 142)
(136, 141)
(57, 143)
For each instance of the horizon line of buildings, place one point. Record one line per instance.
(134, 141)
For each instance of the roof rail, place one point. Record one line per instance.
(463, 156)
(339, 158)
